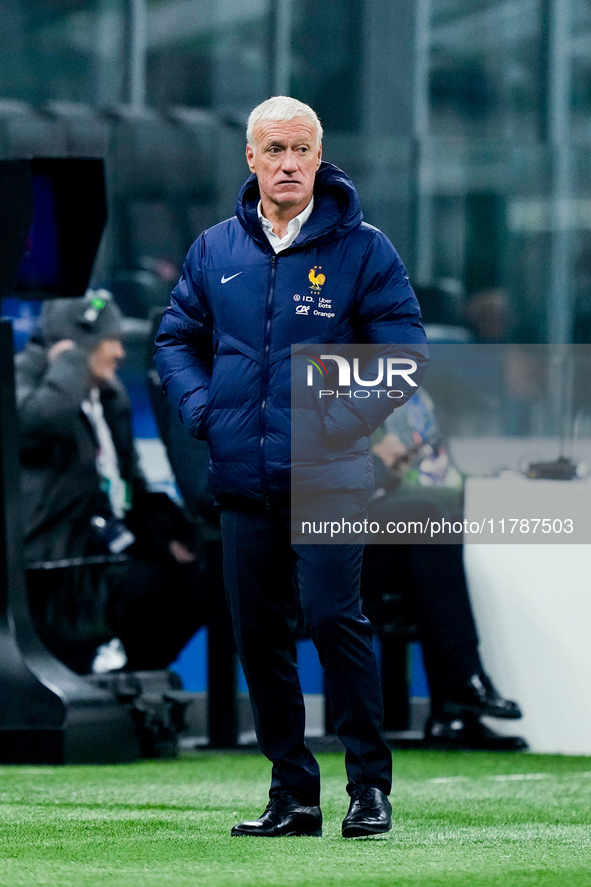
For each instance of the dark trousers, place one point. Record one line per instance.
(155, 608)
(262, 575)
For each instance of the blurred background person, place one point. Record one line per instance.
(489, 316)
(431, 581)
(84, 497)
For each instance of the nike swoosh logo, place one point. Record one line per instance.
(226, 279)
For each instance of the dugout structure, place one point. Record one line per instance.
(52, 215)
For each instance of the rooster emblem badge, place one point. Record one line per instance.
(315, 279)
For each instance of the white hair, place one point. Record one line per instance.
(281, 107)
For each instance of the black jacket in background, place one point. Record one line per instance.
(60, 483)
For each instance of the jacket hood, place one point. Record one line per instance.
(337, 209)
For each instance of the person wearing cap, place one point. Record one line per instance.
(83, 491)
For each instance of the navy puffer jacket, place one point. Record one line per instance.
(224, 344)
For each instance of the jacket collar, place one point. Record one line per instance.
(337, 209)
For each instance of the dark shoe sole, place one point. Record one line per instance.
(359, 831)
(296, 834)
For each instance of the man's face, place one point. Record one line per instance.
(104, 360)
(285, 155)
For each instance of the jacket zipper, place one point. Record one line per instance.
(265, 386)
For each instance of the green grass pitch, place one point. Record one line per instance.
(487, 820)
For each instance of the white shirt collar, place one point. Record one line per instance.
(294, 226)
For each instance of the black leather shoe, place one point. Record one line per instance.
(479, 697)
(283, 817)
(369, 813)
(468, 734)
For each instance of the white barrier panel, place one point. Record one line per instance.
(532, 605)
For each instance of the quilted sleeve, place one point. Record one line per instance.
(184, 343)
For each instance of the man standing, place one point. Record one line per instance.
(223, 353)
